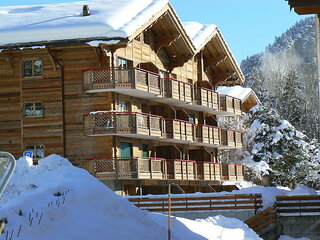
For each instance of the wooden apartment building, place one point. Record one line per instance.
(138, 112)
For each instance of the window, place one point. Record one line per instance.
(145, 150)
(32, 68)
(124, 62)
(125, 149)
(34, 109)
(37, 151)
(123, 106)
(192, 118)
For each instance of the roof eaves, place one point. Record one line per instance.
(58, 43)
(234, 62)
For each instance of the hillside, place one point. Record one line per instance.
(284, 76)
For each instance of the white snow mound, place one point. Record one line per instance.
(55, 200)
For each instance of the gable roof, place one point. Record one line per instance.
(203, 34)
(109, 19)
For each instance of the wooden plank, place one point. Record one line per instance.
(298, 197)
(265, 224)
(187, 203)
(187, 209)
(298, 210)
(194, 198)
(298, 204)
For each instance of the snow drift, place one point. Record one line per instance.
(55, 200)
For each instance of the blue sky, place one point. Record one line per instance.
(247, 25)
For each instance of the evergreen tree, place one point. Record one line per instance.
(290, 156)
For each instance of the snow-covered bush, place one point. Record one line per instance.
(274, 147)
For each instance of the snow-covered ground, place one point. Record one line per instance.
(55, 200)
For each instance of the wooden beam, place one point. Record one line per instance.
(53, 60)
(225, 78)
(165, 40)
(97, 53)
(214, 62)
(9, 59)
(178, 61)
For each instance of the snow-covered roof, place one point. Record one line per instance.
(238, 92)
(199, 33)
(108, 19)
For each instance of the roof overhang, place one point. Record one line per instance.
(302, 7)
(220, 61)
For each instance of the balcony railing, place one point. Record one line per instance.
(178, 90)
(149, 85)
(111, 123)
(105, 79)
(231, 138)
(206, 98)
(142, 125)
(230, 104)
(179, 130)
(208, 134)
(159, 168)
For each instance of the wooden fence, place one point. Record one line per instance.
(298, 205)
(199, 203)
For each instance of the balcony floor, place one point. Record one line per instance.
(130, 92)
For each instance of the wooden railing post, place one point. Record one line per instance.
(151, 167)
(148, 81)
(134, 78)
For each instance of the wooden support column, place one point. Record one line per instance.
(200, 66)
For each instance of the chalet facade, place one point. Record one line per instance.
(138, 110)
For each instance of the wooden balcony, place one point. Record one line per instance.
(163, 169)
(232, 172)
(179, 131)
(177, 92)
(181, 169)
(128, 124)
(231, 139)
(144, 84)
(207, 99)
(130, 81)
(208, 135)
(230, 105)
(211, 171)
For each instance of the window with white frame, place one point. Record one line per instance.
(32, 68)
(33, 109)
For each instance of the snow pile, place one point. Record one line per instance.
(54, 199)
(108, 19)
(302, 190)
(218, 227)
